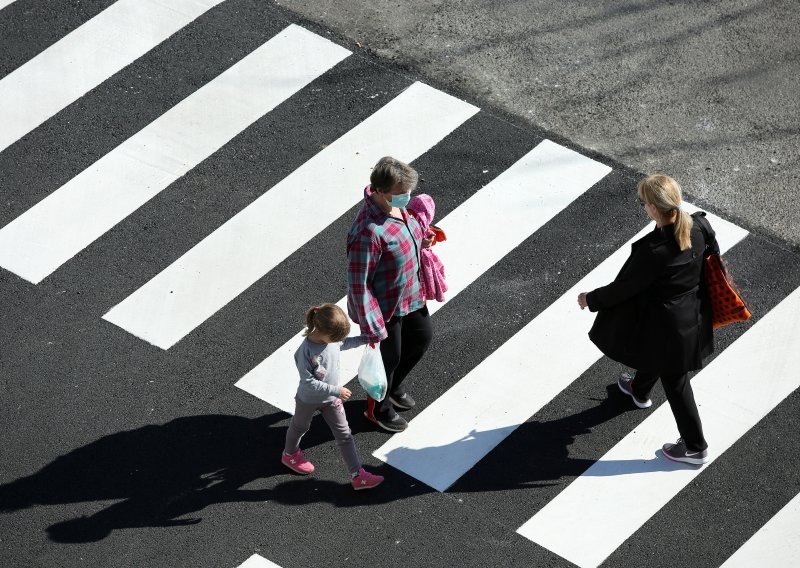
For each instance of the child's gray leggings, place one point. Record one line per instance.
(333, 414)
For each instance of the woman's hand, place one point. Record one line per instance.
(427, 242)
(582, 300)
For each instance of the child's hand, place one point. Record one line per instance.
(345, 394)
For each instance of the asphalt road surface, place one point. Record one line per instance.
(176, 186)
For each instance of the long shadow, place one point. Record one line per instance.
(538, 453)
(161, 473)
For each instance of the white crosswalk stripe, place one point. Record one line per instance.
(515, 204)
(4, 3)
(257, 561)
(483, 408)
(84, 58)
(775, 544)
(628, 485)
(57, 228)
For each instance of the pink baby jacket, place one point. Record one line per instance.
(432, 277)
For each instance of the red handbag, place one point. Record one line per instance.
(727, 305)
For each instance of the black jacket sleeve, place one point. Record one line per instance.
(639, 272)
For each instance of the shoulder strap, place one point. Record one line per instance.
(705, 227)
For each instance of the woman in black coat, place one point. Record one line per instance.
(655, 316)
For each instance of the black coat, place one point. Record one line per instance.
(655, 316)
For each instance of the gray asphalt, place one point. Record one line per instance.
(706, 91)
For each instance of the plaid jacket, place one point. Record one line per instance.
(382, 268)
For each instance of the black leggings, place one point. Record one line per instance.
(409, 338)
(681, 401)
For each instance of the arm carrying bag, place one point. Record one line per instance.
(372, 374)
(727, 305)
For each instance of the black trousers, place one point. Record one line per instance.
(681, 400)
(409, 338)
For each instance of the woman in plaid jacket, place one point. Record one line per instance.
(384, 295)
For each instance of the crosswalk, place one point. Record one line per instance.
(544, 190)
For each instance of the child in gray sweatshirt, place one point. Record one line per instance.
(317, 360)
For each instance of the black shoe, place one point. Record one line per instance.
(402, 401)
(625, 384)
(393, 424)
(678, 452)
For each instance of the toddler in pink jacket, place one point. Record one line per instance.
(433, 280)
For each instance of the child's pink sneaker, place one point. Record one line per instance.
(366, 480)
(297, 462)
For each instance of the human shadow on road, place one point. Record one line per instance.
(539, 453)
(536, 454)
(158, 472)
(161, 474)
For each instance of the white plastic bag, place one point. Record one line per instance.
(372, 374)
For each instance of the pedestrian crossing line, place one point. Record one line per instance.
(4, 3)
(514, 205)
(775, 544)
(86, 57)
(257, 561)
(602, 508)
(54, 230)
(253, 242)
(459, 428)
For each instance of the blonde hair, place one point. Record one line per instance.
(388, 172)
(328, 319)
(664, 194)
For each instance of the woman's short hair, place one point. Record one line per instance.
(328, 319)
(388, 172)
(664, 193)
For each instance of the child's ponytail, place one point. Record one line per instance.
(310, 320)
